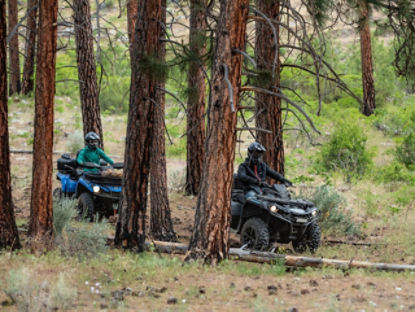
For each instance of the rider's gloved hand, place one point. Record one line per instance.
(262, 184)
(287, 183)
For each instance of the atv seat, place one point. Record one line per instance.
(66, 164)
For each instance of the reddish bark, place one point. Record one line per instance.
(132, 9)
(9, 237)
(161, 226)
(130, 230)
(29, 62)
(268, 106)
(41, 212)
(14, 50)
(196, 101)
(88, 87)
(210, 235)
(367, 67)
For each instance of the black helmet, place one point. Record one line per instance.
(255, 152)
(92, 140)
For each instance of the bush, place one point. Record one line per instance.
(75, 142)
(346, 150)
(333, 219)
(86, 240)
(405, 153)
(177, 180)
(63, 211)
(394, 172)
(33, 295)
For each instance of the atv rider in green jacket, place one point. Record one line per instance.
(91, 152)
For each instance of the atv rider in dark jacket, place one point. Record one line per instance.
(254, 171)
(91, 152)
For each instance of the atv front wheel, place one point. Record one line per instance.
(86, 207)
(57, 192)
(311, 239)
(255, 233)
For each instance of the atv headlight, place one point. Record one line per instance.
(273, 209)
(96, 188)
(314, 213)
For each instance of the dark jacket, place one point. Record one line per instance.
(246, 173)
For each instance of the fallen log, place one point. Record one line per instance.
(293, 261)
(340, 242)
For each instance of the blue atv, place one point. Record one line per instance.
(96, 193)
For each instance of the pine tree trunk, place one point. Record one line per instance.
(9, 237)
(132, 8)
(41, 211)
(130, 230)
(210, 235)
(161, 226)
(367, 67)
(29, 62)
(14, 49)
(268, 106)
(88, 88)
(196, 100)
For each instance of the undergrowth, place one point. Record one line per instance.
(31, 292)
(334, 218)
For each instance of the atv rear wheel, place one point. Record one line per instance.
(311, 239)
(86, 207)
(255, 233)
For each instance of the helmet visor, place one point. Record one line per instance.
(93, 143)
(257, 156)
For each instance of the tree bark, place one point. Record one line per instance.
(268, 107)
(87, 74)
(132, 8)
(9, 237)
(41, 210)
(29, 62)
(130, 230)
(210, 235)
(14, 50)
(161, 226)
(196, 99)
(366, 56)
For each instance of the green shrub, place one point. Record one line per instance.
(114, 95)
(64, 210)
(31, 294)
(405, 153)
(346, 150)
(393, 172)
(86, 240)
(334, 219)
(75, 142)
(177, 180)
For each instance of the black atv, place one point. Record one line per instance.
(272, 216)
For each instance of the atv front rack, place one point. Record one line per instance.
(301, 203)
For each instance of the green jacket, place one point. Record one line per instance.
(92, 155)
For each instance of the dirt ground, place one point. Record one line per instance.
(210, 290)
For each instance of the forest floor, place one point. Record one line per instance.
(120, 280)
(125, 281)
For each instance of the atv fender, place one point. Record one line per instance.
(82, 186)
(251, 209)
